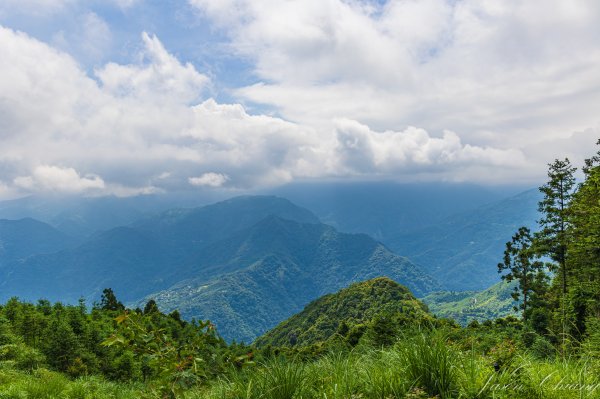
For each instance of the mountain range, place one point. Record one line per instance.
(463, 250)
(22, 238)
(249, 262)
(457, 232)
(245, 263)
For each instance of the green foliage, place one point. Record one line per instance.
(174, 365)
(109, 301)
(376, 309)
(168, 353)
(431, 364)
(568, 236)
(521, 264)
(468, 306)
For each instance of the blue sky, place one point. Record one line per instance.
(128, 97)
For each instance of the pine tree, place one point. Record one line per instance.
(109, 301)
(584, 247)
(523, 266)
(558, 193)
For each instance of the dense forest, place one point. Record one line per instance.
(372, 340)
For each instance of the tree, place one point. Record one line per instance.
(558, 193)
(109, 301)
(585, 223)
(584, 246)
(151, 307)
(523, 266)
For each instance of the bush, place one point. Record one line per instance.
(542, 348)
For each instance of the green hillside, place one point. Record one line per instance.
(246, 264)
(142, 258)
(466, 306)
(250, 282)
(346, 311)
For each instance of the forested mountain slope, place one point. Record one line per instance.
(463, 251)
(262, 275)
(352, 308)
(246, 263)
(465, 306)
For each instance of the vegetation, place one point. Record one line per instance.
(378, 308)
(371, 340)
(568, 237)
(454, 249)
(421, 364)
(246, 264)
(467, 306)
(111, 342)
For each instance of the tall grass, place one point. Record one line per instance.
(422, 365)
(44, 384)
(431, 364)
(280, 379)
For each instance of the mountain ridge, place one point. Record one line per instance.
(324, 261)
(347, 314)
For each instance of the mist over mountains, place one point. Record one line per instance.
(249, 262)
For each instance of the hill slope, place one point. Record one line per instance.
(264, 274)
(138, 259)
(358, 304)
(22, 238)
(466, 306)
(463, 251)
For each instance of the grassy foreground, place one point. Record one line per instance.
(422, 366)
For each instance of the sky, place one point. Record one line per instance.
(130, 97)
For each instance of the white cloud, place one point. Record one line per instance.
(89, 38)
(54, 178)
(501, 73)
(209, 179)
(413, 152)
(160, 78)
(347, 78)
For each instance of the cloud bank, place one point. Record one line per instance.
(408, 90)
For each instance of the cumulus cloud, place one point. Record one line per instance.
(55, 178)
(414, 152)
(504, 74)
(160, 77)
(209, 179)
(345, 101)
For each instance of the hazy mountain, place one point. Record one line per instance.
(22, 238)
(141, 258)
(246, 263)
(386, 209)
(463, 250)
(355, 305)
(83, 216)
(276, 268)
(456, 232)
(376, 208)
